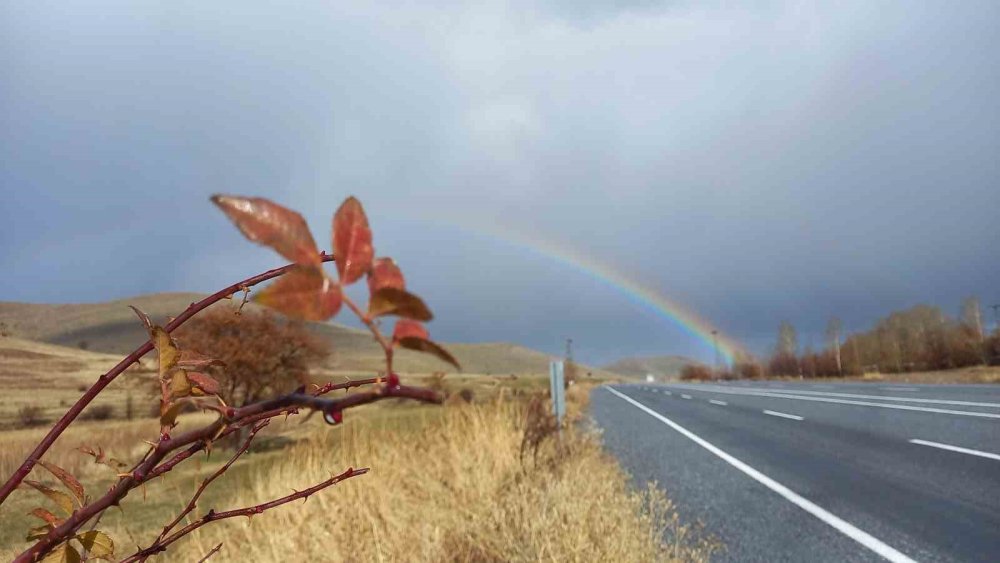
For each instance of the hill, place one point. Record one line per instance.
(112, 328)
(667, 367)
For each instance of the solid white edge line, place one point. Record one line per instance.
(715, 402)
(783, 395)
(784, 415)
(842, 526)
(956, 449)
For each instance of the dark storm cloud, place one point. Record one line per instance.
(783, 161)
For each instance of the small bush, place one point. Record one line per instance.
(695, 372)
(31, 415)
(98, 412)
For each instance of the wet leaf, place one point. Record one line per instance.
(424, 345)
(206, 383)
(166, 348)
(303, 293)
(64, 553)
(67, 479)
(179, 384)
(270, 224)
(406, 328)
(39, 532)
(352, 241)
(392, 301)
(385, 273)
(64, 501)
(97, 544)
(46, 516)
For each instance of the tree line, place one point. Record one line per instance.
(921, 338)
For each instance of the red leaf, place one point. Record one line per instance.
(45, 515)
(270, 224)
(405, 328)
(424, 345)
(193, 360)
(204, 382)
(385, 273)
(392, 301)
(352, 241)
(304, 293)
(67, 479)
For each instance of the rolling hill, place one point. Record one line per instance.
(666, 367)
(112, 328)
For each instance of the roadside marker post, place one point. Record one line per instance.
(557, 390)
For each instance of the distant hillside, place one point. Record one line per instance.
(113, 328)
(661, 366)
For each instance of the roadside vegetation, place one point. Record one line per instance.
(427, 471)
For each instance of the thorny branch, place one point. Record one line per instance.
(249, 512)
(198, 439)
(103, 381)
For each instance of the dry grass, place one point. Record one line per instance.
(447, 484)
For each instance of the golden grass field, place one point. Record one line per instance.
(447, 483)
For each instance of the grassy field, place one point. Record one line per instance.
(447, 484)
(112, 328)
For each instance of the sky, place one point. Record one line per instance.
(753, 162)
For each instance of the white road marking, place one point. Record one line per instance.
(714, 402)
(886, 398)
(685, 396)
(956, 449)
(901, 389)
(784, 415)
(668, 393)
(842, 526)
(781, 395)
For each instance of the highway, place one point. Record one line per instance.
(783, 471)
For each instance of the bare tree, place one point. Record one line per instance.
(833, 329)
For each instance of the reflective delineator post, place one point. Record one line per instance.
(558, 390)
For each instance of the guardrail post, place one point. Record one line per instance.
(557, 390)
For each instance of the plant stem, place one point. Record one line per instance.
(104, 380)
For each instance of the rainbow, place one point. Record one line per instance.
(642, 295)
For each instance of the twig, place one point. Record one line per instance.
(373, 328)
(204, 484)
(250, 511)
(104, 380)
(239, 417)
(210, 553)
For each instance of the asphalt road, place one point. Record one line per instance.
(819, 472)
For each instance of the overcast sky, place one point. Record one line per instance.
(780, 161)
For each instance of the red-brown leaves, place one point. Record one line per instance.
(385, 273)
(392, 301)
(45, 515)
(430, 347)
(67, 479)
(352, 241)
(206, 384)
(412, 335)
(62, 500)
(304, 293)
(270, 224)
(405, 328)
